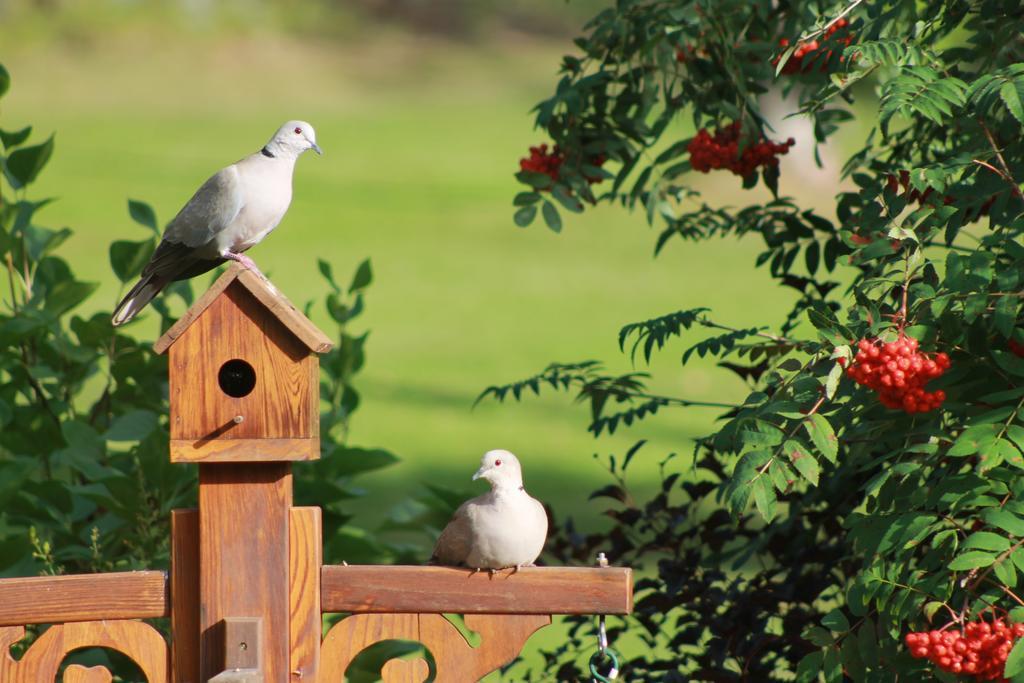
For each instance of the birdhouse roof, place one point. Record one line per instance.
(268, 295)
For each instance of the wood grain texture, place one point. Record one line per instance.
(41, 662)
(238, 676)
(185, 596)
(305, 556)
(245, 450)
(283, 405)
(269, 296)
(83, 597)
(501, 639)
(531, 590)
(76, 673)
(243, 559)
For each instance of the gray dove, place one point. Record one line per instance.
(500, 529)
(233, 211)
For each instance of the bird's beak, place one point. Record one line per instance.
(316, 148)
(479, 473)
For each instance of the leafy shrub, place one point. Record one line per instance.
(816, 526)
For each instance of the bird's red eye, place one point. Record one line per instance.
(497, 463)
(298, 131)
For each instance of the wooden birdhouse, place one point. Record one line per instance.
(244, 375)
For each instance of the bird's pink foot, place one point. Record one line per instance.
(245, 261)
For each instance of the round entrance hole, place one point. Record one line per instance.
(236, 378)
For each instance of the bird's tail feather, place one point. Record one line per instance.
(136, 299)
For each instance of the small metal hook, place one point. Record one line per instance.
(603, 651)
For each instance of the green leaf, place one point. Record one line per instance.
(143, 214)
(781, 475)
(24, 164)
(539, 181)
(1009, 362)
(328, 272)
(524, 216)
(67, 295)
(986, 540)
(764, 498)
(867, 641)
(127, 259)
(135, 425)
(853, 666)
(760, 433)
(1005, 520)
(362, 278)
(1016, 434)
(739, 490)
(972, 559)
(833, 667)
(551, 217)
(346, 461)
(1005, 315)
(14, 138)
(822, 436)
(809, 667)
(931, 608)
(832, 381)
(1015, 662)
(5, 80)
(566, 199)
(1005, 572)
(974, 439)
(836, 621)
(1011, 98)
(526, 198)
(803, 461)
(818, 636)
(784, 57)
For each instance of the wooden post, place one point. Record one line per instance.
(243, 559)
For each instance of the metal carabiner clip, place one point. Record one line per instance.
(603, 653)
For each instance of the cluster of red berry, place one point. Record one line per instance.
(542, 161)
(894, 185)
(550, 163)
(1016, 348)
(980, 650)
(721, 150)
(898, 372)
(685, 53)
(808, 49)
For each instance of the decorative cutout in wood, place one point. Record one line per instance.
(501, 639)
(139, 641)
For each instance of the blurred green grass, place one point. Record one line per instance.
(421, 141)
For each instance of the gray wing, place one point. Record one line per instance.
(455, 542)
(212, 208)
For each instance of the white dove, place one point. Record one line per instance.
(230, 213)
(500, 529)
